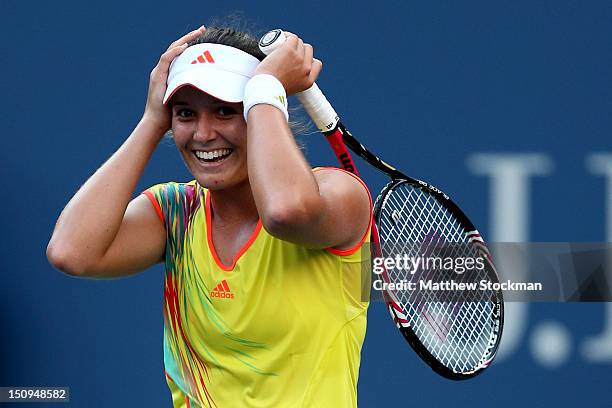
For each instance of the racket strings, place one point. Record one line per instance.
(454, 326)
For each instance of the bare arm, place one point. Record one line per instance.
(329, 208)
(100, 232)
(90, 223)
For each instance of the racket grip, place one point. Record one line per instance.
(318, 108)
(316, 104)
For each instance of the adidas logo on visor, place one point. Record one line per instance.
(204, 58)
(217, 69)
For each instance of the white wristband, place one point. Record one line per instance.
(266, 89)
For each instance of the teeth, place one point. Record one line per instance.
(213, 154)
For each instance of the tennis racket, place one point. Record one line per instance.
(456, 332)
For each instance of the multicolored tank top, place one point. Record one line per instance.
(282, 326)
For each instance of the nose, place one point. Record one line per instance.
(205, 128)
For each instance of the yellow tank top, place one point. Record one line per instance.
(282, 326)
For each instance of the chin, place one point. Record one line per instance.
(212, 184)
(218, 181)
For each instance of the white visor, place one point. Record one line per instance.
(218, 70)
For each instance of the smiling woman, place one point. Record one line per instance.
(262, 254)
(210, 134)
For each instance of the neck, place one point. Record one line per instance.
(234, 205)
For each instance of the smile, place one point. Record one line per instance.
(212, 156)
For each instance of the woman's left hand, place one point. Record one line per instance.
(292, 64)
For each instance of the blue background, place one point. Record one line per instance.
(427, 84)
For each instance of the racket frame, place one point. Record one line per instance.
(328, 122)
(339, 138)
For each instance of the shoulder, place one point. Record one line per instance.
(343, 182)
(169, 196)
(349, 206)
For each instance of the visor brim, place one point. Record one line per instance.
(223, 85)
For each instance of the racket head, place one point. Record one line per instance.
(457, 336)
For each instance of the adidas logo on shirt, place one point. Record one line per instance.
(222, 291)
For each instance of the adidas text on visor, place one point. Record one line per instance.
(218, 70)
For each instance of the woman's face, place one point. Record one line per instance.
(211, 136)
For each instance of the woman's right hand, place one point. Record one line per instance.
(155, 112)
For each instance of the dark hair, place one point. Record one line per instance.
(232, 37)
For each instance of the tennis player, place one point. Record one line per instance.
(262, 254)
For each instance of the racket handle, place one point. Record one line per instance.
(316, 104)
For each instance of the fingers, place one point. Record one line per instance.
(173, 51)
(168, 56)
(315, 69)
(302, 49)
(308, 53)
(293, 63)
(291, 42)
(188, 37)
(312, 66)
(177, 47)
(163, 66)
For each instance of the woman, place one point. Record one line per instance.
(263, 255)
